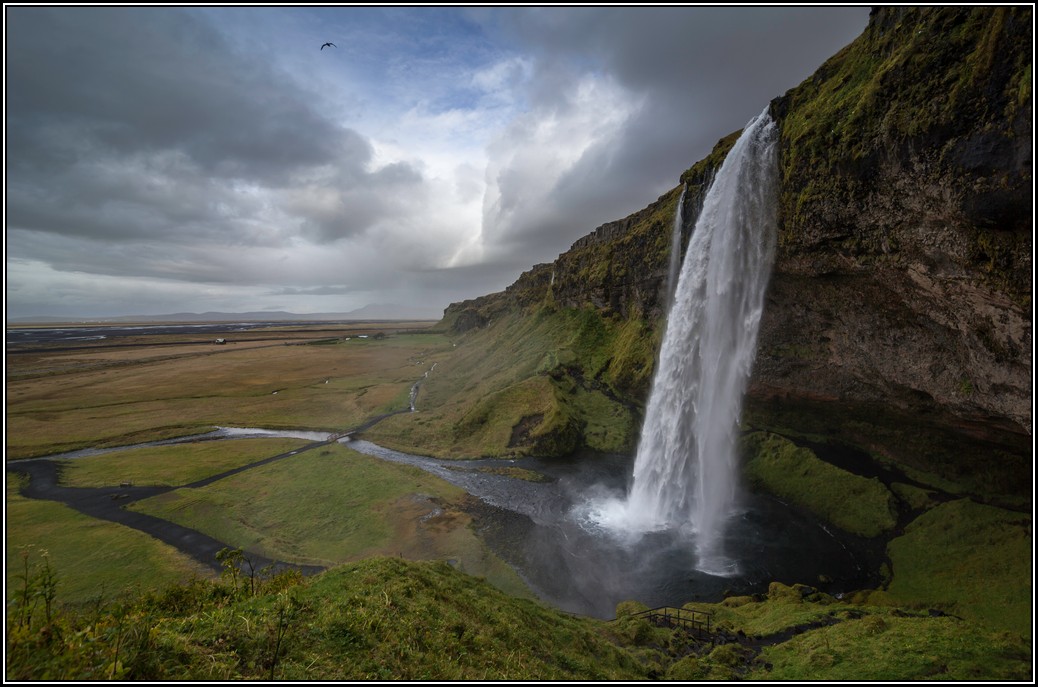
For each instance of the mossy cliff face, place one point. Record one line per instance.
(903, 269)
(619, 269)
(901, 292)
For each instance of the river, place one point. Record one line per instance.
(543, 530)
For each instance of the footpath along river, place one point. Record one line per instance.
(537, 527)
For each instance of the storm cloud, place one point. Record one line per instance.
(163, 159)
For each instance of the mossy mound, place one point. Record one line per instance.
(895, 647)
(390, 619)
(852, 503)
(380, 619)
(811, 636)
(970, 560)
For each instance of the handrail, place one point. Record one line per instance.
(692, 620)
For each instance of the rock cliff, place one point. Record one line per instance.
(902, 283)
(904, 267)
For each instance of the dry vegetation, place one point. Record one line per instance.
(69, 399)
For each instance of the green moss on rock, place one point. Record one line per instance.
(935, 93)
(914, 497)
(736, 601)
(968, 559)
(687, 669)
(852, 503)
(784, 593)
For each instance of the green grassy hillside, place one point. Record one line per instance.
(545, 381)
(389, 619)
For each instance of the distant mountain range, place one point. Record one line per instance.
(376, 311)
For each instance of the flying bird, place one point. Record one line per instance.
(327, 44)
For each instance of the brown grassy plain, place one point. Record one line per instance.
(72, 398)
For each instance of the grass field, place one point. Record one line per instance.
(970, 560)
(325, 507)
(91, 557)
(333, 505)
(321, 387)
(169, 466)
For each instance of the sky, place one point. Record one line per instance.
(193, 159)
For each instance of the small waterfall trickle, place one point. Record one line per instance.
(416, 385)
(675, 249)
(685, 470)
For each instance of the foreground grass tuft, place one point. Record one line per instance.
(391, 619)
(379, 619)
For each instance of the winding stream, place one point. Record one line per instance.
(540, 528)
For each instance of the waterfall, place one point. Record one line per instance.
(685, 469)
(675, 249)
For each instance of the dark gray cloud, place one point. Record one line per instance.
(153, 79)
(213, 156)
(694, 75)
(145, 123)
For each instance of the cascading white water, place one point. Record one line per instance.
(675, 249)
(685, 472)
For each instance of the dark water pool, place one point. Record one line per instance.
(541, 529)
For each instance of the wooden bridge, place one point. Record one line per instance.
(695, 623)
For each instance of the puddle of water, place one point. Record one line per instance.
(255, 432)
